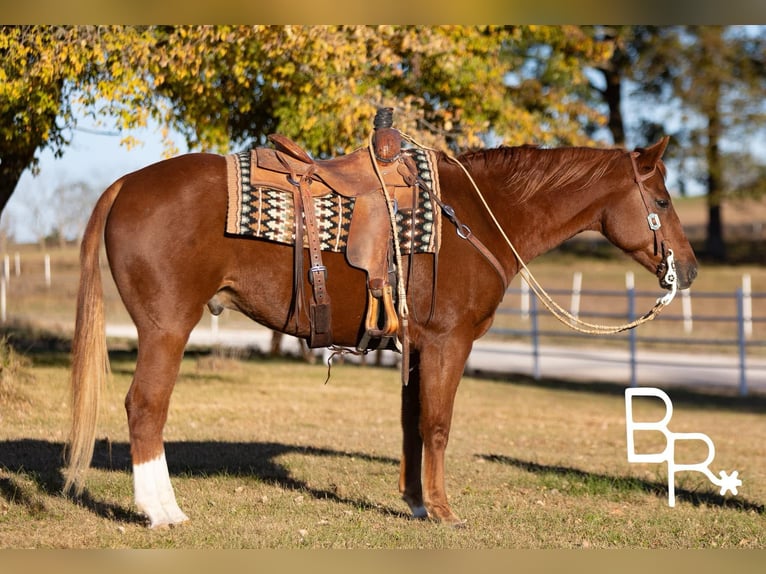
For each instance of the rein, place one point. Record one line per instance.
(557, 310)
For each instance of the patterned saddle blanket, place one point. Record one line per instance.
(267, 212)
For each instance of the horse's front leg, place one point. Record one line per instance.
(440, 370)
(147, 402)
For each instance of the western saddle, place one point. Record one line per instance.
(369, 244)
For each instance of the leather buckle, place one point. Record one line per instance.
(317, 269)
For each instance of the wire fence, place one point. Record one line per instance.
(730, 323)
(708, 322)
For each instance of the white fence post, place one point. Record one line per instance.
(535, 341)
(524, 299)
(747, 305)
(576, 288)
(47, 270)
(686, 308)
(17, 263)
(214, 327)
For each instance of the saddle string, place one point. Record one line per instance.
(400, 288)
(557, 310)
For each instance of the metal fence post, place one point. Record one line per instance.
(631, 292)
(741, 342)
(535, 338)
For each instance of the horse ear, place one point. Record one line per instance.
(648, 157)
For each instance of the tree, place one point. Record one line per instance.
(47, 72)
(727, 93)
(71, 202)
(226, 86)
(322, 84)
(710, 81)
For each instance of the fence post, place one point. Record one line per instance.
(47, 270)
(2, 300)
(630, 286)
(17, 263)
(524, 299)
(686, 307)
(535, 339)
(747, 305)
(742, 342)
(214, 327)
(576, 289)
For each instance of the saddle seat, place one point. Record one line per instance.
(350, 175)
(369, 246)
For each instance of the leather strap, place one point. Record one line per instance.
(320, 311)
(660, 245)
(464, 232)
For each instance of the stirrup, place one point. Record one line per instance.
(377, 314)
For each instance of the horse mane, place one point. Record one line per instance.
(529, 169)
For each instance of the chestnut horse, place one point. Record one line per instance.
(163, 228)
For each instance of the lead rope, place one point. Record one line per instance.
(557, 310)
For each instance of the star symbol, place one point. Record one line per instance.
(729, 482)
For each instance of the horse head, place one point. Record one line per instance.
(640, 218)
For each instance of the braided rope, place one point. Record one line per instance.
(400, 288)
(557, 310)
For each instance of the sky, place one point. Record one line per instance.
(93, 156)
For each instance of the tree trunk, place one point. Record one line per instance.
(715, 247)
(12, 166)
(613, 72)
(613, 98)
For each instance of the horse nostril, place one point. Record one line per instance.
(692, 275)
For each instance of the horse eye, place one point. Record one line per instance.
(662, 203)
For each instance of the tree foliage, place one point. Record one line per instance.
(701, 84)
(229, 86)
(48, 73)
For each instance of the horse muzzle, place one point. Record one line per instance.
(673, 273)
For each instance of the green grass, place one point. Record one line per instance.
(263, 454)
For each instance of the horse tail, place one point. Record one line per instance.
(90, 361)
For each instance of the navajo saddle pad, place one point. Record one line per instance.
(268, 213)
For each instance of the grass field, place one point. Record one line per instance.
(263, 454)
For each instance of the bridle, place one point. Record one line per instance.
(666, 268)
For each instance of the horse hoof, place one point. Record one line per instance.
(169, 520)
(419, 513)
(166, 525)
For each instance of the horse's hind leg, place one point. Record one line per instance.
(159, 359)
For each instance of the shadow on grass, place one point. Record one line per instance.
(603, 482)
(700, 398)
(41, 461)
